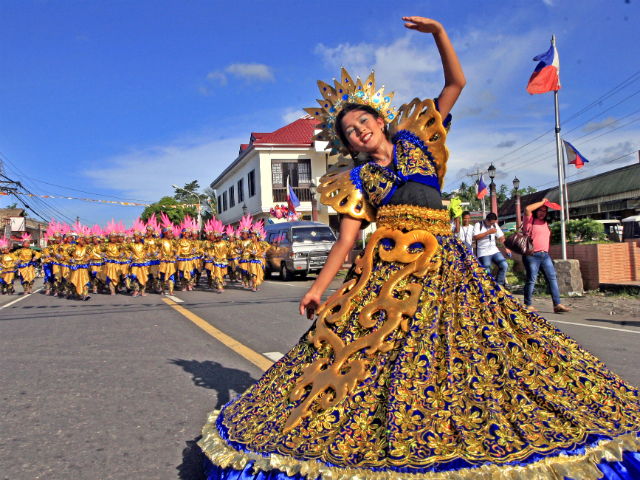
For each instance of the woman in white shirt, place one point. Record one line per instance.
(486, 234)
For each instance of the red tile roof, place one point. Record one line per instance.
(299, 132)
(257, 135)
(243, 147)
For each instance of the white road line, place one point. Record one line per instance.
(21, 298)
(280, 283)
(275, 356)
(596, 326)
(175, 299)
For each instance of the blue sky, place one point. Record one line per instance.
(124, 98)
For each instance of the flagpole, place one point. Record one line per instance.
(566, 187)
(560, 175)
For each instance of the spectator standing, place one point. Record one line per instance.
(487, 234)
(537, 227)
(464, 232)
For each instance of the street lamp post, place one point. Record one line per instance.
(313, 189)
(492, 189)
(199, 207)
(516, 187)
(244, 210)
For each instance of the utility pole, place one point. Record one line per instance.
(477, 174)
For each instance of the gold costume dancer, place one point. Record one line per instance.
(233, 256)
(26, 257)
(47, 264)
(56, 267)
(152, 241)
(218, 252)
(96, 260)
(113, 257)
(246, 248)
(8, 268)
(79, 256)
(185, 255)
(140, 262)
(167, 256)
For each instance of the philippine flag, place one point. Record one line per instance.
(546, 76)
(292, 198)
(574, 156)
(482, 189)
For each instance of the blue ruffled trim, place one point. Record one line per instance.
(25, 265)
(116, 262)
(96, 264)
(145, 264)
(180, 259)
(233, 259)
(220, 265)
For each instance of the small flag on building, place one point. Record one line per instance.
(546, 76)
(482, 188)
(574, 156)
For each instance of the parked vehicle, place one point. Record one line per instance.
(612, 229)
(631, 229)
(298, 248)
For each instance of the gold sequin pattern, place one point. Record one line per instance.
(475, 377)
(411, 217)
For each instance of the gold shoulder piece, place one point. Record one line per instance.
(423, 119)
(338, 191)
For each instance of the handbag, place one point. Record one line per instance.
(520, 243)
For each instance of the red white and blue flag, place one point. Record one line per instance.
(574, 156)
(292, 198)
(482, 188)
(546, 76)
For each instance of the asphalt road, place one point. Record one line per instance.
(119, 387)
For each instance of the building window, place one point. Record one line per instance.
(219, 204)
(304, 172)
(241, 190)
(232, 197)
(298, 173)
(224, 201)
(251, 183)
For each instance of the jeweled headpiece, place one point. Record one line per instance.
(230, 231)
(245, 225)
(139, 227)
(25, 237)
(347, 91)
(4, 243)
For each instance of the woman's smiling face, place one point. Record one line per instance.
(363, 130)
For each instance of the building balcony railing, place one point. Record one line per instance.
(280, 194)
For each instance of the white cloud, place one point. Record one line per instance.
(217, 76)
(251, 71)
(292, 114)
(149, 172)
(548, 2)
(593, 126)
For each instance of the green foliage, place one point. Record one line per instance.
(467, 192)
(583, 231)
(176, 215)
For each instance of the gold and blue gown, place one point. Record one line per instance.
(422, 366)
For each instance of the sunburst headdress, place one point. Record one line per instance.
(347, 91)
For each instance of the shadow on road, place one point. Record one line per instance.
(192, 466)
(215, 376)
(626, 323)
(226, 382)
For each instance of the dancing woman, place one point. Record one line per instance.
(422, 366)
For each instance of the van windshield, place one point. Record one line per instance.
(312, 234)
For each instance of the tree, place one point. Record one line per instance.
(502, 194)
(176, 215)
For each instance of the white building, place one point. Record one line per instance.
(257, 178)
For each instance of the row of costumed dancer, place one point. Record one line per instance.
(155, 254)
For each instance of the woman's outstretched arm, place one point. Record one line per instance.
(349, 228)
(454, 80)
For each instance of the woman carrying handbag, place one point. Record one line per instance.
(536, 226)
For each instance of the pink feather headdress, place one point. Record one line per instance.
(258, 229)
(139, 226)
(79, 230)
(96, 231)
(4, 243)
(152, 223)
(230, 231)
(111, 228)
(64, 229)
(52, 230)
(167, 224)
(246, 223)
(176, 231)
(25, 237)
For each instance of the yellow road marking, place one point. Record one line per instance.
(254, 357)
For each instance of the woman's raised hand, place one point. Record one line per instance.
(310, 303)
(422, 24)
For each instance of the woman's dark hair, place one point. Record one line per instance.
(351, 107)
(535, 214)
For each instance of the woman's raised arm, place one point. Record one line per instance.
(454, 80)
